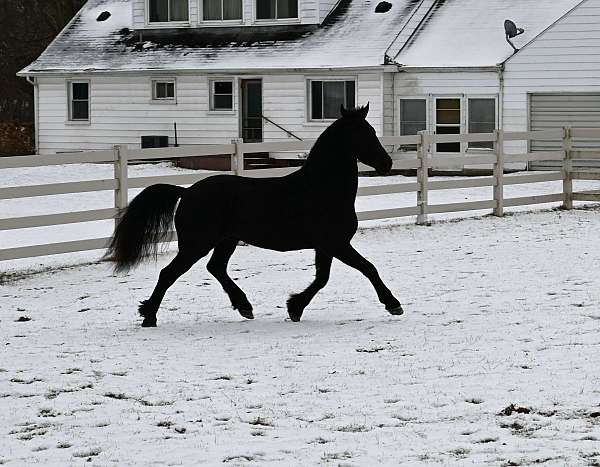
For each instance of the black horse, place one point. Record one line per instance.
(312, 208)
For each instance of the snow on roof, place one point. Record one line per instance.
(353, 36)
(471, 32)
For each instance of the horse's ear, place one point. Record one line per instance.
(343, 111)
(364, 111)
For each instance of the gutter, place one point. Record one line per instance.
(448, 69)
(36, 119)
(174, 71)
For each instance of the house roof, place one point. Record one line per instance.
(470, 33)
(414, 33)
(353, 36)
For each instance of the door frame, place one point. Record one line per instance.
(241, 81)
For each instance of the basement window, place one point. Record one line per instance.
(79, 101)
(276, 9)
(221, 10)
(326, 98)
(167, 11)
(482, 119)
(163, 90)
(221, 95)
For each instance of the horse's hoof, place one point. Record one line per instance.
(295, 307)
(396, 311)
(295, 314)
(247, 313)
(149, 323)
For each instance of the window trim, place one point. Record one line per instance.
(423, 97)
(467, 116)
(70, 119)
(162, 100)
(308, 93)
(211, 92)
(217, 22)
(265, 21)
(165, 24)
(461, 125)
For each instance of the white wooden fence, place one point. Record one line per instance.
(121, 183)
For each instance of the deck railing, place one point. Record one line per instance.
(422, 162)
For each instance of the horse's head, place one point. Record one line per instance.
(363, 140)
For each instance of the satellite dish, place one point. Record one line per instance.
(511, 30)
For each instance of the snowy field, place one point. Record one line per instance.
(494, 363)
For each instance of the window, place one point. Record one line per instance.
(482, 119)
(165, 11)
(221, 95)
(276, 9)
(163, 90)
(326, 98)
(218, 10)
(447, 122)
(413, 118)
(79, 100)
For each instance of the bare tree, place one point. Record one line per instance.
(27, 26)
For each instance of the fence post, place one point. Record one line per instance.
(121, 192)
(237, 158)
(567, 144)
(499, 173)
(422, 177)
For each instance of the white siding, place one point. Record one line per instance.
(138, 11)
(325, 7)
(564, 59)
(121, 111)
(388, 104)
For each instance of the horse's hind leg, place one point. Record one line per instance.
(217, 266)
(298, 302)
(184, 260)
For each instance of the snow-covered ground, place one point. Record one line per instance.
(498, 312)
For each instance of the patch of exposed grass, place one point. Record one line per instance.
(353, 428)
(88, 453)
(334, 456)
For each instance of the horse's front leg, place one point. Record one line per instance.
(354, 259)
(298, 302)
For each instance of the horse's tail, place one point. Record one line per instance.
(143, 225)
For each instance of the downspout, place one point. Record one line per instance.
(501, 97)
(36, 113)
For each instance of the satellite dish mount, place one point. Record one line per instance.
(512, 31)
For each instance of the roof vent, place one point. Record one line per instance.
(511, 30)
(383, 7)
(103, 16)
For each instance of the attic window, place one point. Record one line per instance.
(276, 9)
(165, 11)
(103, 16)
(383, 7)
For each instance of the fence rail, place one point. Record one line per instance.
(121, 183)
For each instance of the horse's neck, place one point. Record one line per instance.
(328, 168)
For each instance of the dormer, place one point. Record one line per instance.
(176, 14)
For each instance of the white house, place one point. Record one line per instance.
(269, 70)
